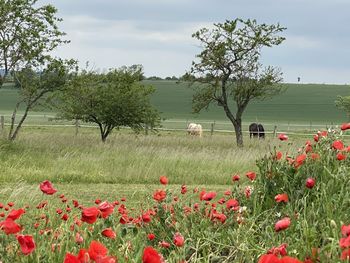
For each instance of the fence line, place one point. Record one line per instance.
(165, 129)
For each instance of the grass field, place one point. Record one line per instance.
(301, 106)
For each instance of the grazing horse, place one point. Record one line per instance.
(194, 129)
(256, 130)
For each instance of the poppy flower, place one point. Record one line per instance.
(251, 175)
(179, 240)
(268, 258)
(341, 156)
(78, 238)
(344, 242)
(97, 250)
(281, 198)
(183, 189)
(151, 236)
(282, 224)
(235, 177)
(108, 232)
(15, 214)
(248, 191)
(280, 250)
(299, 160)
(90, 214)
(282, 137)
(9, 226)
(163, 180)
(209, 196)
(146, 218)
(310, 183)
(69, 258)
(27, 244)
(345, 126)
(279, 156)
(345, 255)
(338, 145)
(227, 192)
(232, 204)
(164, 244)
(47, 188)
(150, 255)
(345, 230)
(106, 209)
(159, 195)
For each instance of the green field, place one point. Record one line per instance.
(301, 106)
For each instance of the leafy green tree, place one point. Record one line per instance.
(343, 103)
(36, 86)
(28, 33)
(228, 72)
(111, 100)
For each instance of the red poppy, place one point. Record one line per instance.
(282, 224)
(281, 198)
(15, 214)
(310, 183)
(27, 244)
(106, 209)
(299, 160)
(47, 188)
(268, 258)
(338, 145)
(163, 180)
(64, 217)
(90, 214)
(9, 226)
(345, 126)
(183, 189)
(97, 250)
(282, 137)
(341, 156)
(108, 232)
(251, 175)
(179, 240)
(164, 244)
(345, 230)
(344, 242)
(146, 218)
(159, 195)
(279, 156)
(345, 255)
(150, 255)
(69, 258)
(235, 177)
(232, 204)
(279, 251)
(209, 196)
(151, 236)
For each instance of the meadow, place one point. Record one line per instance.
(202, 213)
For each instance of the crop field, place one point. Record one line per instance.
(307, 107)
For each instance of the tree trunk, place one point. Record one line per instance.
(13, 136)
(238, 130)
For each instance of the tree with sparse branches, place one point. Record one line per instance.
(228, 71)
(111, 100)
(28, 33)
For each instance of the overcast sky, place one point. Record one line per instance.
(157, 34)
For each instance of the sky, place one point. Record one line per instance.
(157, 34)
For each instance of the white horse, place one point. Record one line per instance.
(194, 129)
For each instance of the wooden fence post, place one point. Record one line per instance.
(212, 128)
(2, 120)
(275, 131)
(76, 127)
(146, 129)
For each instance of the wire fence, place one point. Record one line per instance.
(209, 126)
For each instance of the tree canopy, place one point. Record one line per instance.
(27, 34)
(228, 69)
(111, 100)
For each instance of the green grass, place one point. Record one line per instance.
(307, 104)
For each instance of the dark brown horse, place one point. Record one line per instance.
(256, 130)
